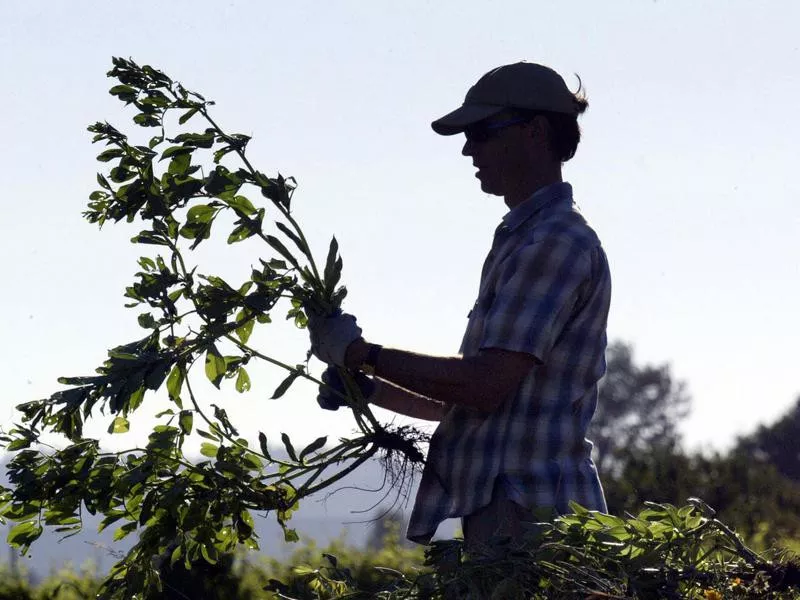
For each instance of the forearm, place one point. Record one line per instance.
(468, 382)
(404, 402)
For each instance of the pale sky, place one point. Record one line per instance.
(687, 171)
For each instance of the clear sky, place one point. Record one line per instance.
(687, 171)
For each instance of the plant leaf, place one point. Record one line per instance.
(208, 449)
(262, 441)
(289, 448)
(292, 236)
(215, 366)
(242, 381)
(313, 447)
(23, 534)
(125, 530)
(185, 420)
(333, 267)
(245, 329)
(119, 425)
(241, 204)
(286, 383)
(188, 115)
(281, 249)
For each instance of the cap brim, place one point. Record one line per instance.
(464, 116)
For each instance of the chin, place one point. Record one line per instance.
(490, 189)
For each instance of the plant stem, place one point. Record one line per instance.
(224, 434)
(284, 211)
(357, 463)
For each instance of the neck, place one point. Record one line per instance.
(525, 187)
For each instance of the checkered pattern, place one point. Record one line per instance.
(545, 290)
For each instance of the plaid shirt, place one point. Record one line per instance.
(545, 290)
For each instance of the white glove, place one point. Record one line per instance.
(333, 388)
(330, 336)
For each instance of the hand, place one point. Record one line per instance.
(331, 335)
(333, 388)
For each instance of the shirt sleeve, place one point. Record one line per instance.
(535, 296)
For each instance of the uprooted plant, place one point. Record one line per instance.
(178, 185)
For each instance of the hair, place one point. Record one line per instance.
(565, 133)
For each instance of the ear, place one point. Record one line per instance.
(535, 129)
(540, 131)
(540, 125)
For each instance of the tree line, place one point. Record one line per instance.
(755, 486)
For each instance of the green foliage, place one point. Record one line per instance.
(777, 444)
(63, 585)
(177, 189)
(749, 494)
(338, 569)
(661, 552)
(751, 486)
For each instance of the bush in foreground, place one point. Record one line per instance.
(662, 552)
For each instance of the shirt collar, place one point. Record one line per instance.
(555, 193)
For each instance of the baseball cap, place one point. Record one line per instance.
(520, 85)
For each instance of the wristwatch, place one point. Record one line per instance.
(371, 361)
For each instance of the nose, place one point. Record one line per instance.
(468, 148)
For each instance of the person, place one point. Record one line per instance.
(515, 404)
